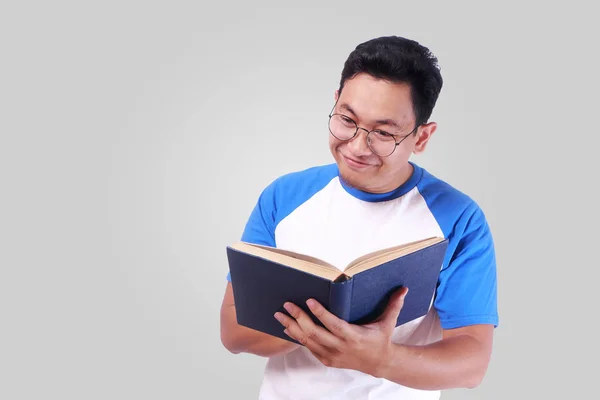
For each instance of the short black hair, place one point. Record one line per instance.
(399, 60)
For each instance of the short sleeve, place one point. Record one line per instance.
(467, 289)
(260, 227)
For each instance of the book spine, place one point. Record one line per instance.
(340, 294)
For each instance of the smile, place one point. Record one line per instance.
(354, 164)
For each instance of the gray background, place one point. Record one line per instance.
(136, 137)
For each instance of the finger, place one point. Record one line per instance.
(335, 325)
(310, 330)
(390, 315)
(294, 331)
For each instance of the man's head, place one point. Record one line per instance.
(389, 86)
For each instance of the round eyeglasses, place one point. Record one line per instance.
(380, 142)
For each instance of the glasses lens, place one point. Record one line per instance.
(381, 143)
(342, 127)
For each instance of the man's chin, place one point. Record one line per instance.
(357, 179)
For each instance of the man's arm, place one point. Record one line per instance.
(260, 229)
(239, 339)
(459, 360)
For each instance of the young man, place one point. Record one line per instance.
(373, 197)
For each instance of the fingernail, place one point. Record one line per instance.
(311, 303)
(288, 307)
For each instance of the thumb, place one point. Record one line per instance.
(390, 315)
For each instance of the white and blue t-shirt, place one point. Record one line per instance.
(316, 213)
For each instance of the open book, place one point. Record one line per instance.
(264, 278)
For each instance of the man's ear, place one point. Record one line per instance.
(336, 95)
(424, 134)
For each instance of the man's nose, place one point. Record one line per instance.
(358, 145)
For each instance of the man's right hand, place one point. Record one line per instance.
(239, 339)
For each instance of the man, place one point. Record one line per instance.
(373, 197)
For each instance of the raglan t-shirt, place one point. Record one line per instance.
(315, 212)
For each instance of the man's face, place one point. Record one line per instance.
(370, 103)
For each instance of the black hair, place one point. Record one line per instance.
(399, 60)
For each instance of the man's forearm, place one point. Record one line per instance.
(240, 339)
(247, 341)
(456, 362)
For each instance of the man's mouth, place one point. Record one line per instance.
(354, 163)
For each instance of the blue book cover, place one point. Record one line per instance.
(264, 278)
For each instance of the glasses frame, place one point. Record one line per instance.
(396, 143)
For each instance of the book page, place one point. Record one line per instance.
(291, 259)
(299, 256)
(382, 256)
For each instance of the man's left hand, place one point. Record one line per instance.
(363, 348)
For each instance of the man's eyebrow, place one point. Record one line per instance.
(348, 108)
(389, 122)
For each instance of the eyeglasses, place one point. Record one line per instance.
(380, 142)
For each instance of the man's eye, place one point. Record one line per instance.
(383, 135)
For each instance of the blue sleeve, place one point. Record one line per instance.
(260, 227)
(280, 198)
(467, 289)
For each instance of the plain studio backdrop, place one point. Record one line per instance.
(136, 137)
